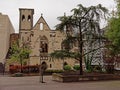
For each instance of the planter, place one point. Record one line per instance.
(86, 77)
(98, 77)
(65, 78)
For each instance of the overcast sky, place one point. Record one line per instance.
(51, 9)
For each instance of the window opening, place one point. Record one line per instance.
(41, 26)
(22, 38)
(29, 17)
(50, 65)
(44, 47)
(23, 17)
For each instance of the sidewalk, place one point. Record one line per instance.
(32, 83)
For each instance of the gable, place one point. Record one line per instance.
(41, 25)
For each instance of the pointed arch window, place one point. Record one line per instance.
(23, 17)
(44, 44)
(44, 47)
(50, 65)
(41, 26)
(29, 18)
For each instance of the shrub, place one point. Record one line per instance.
(53, 71)
(76, 67)
(18, 75)
(97, 68)
(109, 68)
(26, 68)
(88, 71)
(67, 67)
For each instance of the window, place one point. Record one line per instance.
(41, 26)
(22, 38)
(23, 17)
(50, 65)
(44, 44)
(52, 34)
(27, 38)
(44, 47)
(65, 63)
(29, 18)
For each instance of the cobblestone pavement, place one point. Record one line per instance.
(32, 83)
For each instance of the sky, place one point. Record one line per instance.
(51, 9)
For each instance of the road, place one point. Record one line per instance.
(32, 83)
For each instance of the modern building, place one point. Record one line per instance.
(6, 28)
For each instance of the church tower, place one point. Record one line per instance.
(26, 19)
(25, 23)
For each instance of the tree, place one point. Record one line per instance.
(82, 20)
(113, 31)
(19, 54)
(113, 35)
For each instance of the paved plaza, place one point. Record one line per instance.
(32, 83)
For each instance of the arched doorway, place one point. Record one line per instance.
(44, 63)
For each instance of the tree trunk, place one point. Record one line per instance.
(21, 65)
(80, 48)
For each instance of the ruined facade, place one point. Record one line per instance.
(13, 38)
(41, 40)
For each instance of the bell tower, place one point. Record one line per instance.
(25, 24)
(26, 19)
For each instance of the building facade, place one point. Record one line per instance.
(6, 28)
(41, 40)
(13, 38)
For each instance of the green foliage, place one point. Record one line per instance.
(88, 62)
(18, 75)
(19, 54)
(76, 67)
(62, 54)
(67, 67)
(53, 71)
(68, 43)
(113, 32)
(118, 7)
(82, 20)
(88, 71)
(97, 68)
